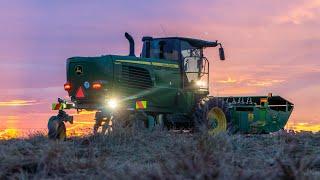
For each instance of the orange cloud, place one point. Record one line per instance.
(263, 83)
(18, 103)
(228, 81)
(232, 91)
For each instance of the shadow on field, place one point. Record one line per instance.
(130, 154)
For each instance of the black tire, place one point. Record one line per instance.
(123, 119)
(102, 123)
(56, 129)
(98, 121)
(200, 115)
(130, 120)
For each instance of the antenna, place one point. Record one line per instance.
(163, 30)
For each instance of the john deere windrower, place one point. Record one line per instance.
(166, 87)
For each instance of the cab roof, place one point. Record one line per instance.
(194, 42)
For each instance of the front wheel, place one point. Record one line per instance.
(212, 116)
(56, 129)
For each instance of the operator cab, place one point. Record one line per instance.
(187, 52)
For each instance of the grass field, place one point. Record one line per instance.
(130, 154)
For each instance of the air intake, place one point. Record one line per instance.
(136, 77)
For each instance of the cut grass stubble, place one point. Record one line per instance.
(129, 154)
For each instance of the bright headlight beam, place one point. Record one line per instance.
(200, 83)
(112, 103)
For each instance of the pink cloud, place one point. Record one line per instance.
(305, 11)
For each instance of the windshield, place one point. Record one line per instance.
(192, 61)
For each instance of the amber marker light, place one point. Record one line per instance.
(67, 86)
(96, 85)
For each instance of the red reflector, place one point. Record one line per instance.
(80, 93)
(67, 86)
(96, 85)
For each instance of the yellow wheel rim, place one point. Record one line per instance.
(217, 121)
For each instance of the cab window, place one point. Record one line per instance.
(192, 61)
(164, 49)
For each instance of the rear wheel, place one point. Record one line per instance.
(106, 123)
(212, 116)
(57, 129)
(133, 120)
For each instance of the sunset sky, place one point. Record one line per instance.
(270, 45)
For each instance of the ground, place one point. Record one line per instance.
(132, 154)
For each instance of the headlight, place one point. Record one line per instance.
(201, 83)
(112, 103)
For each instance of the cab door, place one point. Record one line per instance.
(194, 76)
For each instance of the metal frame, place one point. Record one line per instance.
(204, 71)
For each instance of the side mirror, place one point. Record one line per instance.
(221, 53)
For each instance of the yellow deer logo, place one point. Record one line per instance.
(79, 70)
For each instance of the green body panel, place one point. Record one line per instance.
(165, 77)
(124, 78)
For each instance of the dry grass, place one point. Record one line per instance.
(128, 154)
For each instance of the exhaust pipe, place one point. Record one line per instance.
(131, 43)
